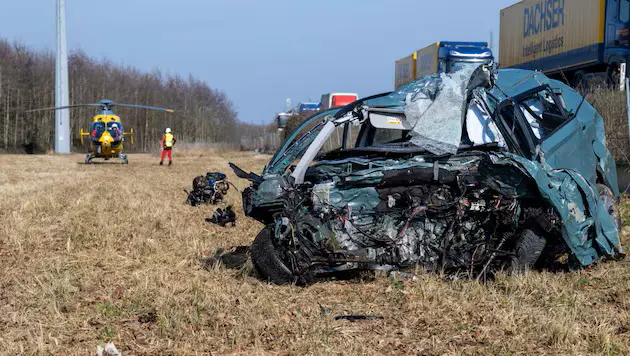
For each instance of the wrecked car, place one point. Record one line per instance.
(464, 174)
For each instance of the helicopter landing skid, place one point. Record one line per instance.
(90, 157)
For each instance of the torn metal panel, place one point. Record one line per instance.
(435, 112)
(585, 220)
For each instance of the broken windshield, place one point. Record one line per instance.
(298, 141)
(433, 107)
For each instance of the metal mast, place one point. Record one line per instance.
(62, 117)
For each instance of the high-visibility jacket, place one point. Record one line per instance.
(168, 140)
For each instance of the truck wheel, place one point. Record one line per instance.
(610, 203)
(267, 261)
(578, 80)
(529, 247)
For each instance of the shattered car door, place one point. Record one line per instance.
(566, 146)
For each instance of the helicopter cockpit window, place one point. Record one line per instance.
(115, 130)
(97, 130)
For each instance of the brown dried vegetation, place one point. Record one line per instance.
(99, 253)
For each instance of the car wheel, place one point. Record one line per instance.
(610, 203)
(267, 261)
(529, 247)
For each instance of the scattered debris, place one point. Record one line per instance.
(223, 217)
(148, 317)
(358, 317)
(325, 310)
(405, 275)
(208, 189)
(108, 350)
(236, 258)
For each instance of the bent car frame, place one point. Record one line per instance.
(465, 173)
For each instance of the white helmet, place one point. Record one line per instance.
(168, 130)
(114, 126)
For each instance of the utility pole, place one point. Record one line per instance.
(62, 116)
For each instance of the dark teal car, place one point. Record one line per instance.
(465, 174)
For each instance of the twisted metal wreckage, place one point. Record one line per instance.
(465, 173)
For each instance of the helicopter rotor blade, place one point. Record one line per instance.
(64, 107)
(144, 107)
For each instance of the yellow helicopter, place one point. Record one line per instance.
(106, 131)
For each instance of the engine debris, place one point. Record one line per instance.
(223, 217)
(208, 189)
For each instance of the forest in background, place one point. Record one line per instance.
(203, 115)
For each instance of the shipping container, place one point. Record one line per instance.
(566, 39)
(404, 70)
(567, 32)
(427, 60)
(440, 57)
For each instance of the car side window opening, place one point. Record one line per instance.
(369, 136)
(624, 10)
(386, 136)
(480, 126)
(353, 130)
(542, 113)
(514, 131)
(334, 142)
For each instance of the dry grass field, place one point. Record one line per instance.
(96, 253)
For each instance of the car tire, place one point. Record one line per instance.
(610, 203)
(529, 247)
(267, 261)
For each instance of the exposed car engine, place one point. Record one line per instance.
(442, 217)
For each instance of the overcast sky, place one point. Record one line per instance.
(258, 52)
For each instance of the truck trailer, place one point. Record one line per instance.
(440, 57)
(572, 40)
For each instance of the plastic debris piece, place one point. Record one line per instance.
(405, 275)
(223, 217)
(436, 111)
(358, 317)
(109, 350)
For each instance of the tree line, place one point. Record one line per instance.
(27, 81)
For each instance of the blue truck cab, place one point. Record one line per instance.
(454, 56)
(441, 57)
